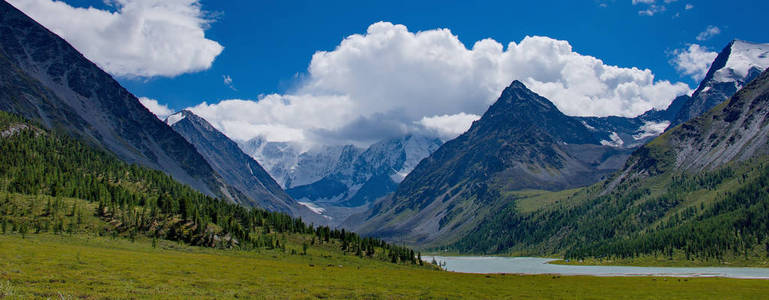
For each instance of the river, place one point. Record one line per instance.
(537, 265)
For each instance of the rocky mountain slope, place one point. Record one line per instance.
(236, 168)
(736, 65)
(522, 142)
(44, 79)
(735, 130)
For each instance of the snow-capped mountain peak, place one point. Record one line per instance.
(734, 67)
(745, 61)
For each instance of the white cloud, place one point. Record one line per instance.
(278, 117)
(709, 32)
(141, 38)
(228, 82)
(390, 81)
(693, 61)
(160, 110)
(449, 126)
(688, 6)
(652, 10)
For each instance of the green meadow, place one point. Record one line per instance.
(91, 267)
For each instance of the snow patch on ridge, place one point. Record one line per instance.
(616, 141)
(651, 129)
(588, 126)
(314, 208)
(175, 118)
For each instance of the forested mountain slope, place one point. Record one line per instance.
(54, 183)
(45, 79)
(699, 191)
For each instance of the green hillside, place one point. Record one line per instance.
(50, 183)
(717, 216)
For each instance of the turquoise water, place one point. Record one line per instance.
(537, 265)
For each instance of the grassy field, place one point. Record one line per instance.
(90, 267)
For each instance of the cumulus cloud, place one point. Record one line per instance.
(449, 126)
(708, 33)
(160, 110)
(390, 80)
(688, 6)
(141, 38)
(278, 117)
(693, 61)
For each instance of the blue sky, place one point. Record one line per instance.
(390, 80)
(268, 43)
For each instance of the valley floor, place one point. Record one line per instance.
(84, 266)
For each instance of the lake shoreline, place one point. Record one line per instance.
(545, 266)
(659, 263)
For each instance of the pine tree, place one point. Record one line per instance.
(23, 229)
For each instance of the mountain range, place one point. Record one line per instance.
(337, 181)
(341, 180)
(525, 178)
(523, 147)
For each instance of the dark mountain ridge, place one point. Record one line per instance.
(44, 79)
(236, 168)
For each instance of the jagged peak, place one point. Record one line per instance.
(175, 118)
(184, 114)
(517, 84)
(193, 119)
(738, 62)
(518, 95)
